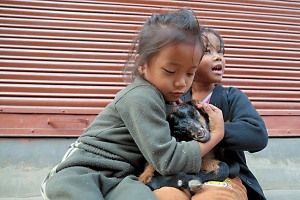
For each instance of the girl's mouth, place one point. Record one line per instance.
(217, 68)
(178, 94)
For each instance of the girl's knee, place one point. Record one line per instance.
(166, 193)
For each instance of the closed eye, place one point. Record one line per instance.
(191, 74)
(168, 71)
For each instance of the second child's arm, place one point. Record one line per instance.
(245, 128)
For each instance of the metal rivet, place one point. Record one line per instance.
(248, 182)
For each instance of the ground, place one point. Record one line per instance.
(25, 162)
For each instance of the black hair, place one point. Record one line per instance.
(206, 30)
(159, 31)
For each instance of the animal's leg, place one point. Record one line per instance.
(147, 174)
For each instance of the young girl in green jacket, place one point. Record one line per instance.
(105, 161)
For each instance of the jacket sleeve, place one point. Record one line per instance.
(144, 114)
(245, 129)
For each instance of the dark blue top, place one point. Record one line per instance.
(245, 130)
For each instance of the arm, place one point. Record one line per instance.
(244, 129)
(143, 112)
(183, 180)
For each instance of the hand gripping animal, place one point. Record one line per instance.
(187, 122)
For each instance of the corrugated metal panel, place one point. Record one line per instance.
(62, 59)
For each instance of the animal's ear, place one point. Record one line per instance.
(204, 114)
(172, 119)
(193, 102)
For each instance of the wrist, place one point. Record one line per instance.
(217, 135)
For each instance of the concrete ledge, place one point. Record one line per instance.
(22, 198)
(277, 167)
(282, 194)
(25, 163)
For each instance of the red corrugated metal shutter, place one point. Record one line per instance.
(60, 61)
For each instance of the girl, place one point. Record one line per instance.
(105, 161)
(244, 128)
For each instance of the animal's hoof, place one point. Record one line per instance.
(180, 183)
(195, 185)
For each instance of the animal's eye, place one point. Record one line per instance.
(197, 114)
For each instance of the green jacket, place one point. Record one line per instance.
(131, 129)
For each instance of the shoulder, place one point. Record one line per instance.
(227, 90)
(139, 92)
(237, 102)
(230, 99)
(234, 90)
(230, 93)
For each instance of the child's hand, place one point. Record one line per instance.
(216, 123)
(176, 103)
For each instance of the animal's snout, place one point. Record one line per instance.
(203, 135)
(188, 123)
(199, 131)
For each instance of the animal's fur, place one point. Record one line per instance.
(188, 123)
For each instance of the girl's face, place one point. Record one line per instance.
(212, 65)
(172, 69)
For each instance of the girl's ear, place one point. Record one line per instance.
(141, 67)
(136, 58)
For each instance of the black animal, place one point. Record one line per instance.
(187, 122)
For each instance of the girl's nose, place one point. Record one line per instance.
(218, 57)
(180, 82)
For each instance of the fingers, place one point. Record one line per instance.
(214, 193)
(179, 101)
(166, 193)
(175, 103)
(213, 112)
(216, 121)
(238, 188)
(208, 107)
(212, 107)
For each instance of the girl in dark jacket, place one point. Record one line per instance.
(244, 128)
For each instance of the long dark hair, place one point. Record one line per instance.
(206, 30)
(159, 31)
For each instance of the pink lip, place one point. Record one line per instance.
(218, 73)
(218, 69)
(177, 94)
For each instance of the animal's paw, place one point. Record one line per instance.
(144, 178)
(147, 175)
(180, 181)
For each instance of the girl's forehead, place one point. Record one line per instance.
(211, 40)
